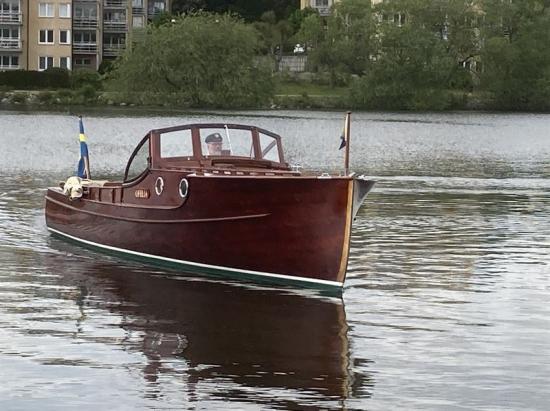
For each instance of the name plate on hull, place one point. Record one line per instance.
(142, 193)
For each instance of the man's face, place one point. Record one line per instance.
(214, 149)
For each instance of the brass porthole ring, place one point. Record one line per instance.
(159, 186)
(183, 188)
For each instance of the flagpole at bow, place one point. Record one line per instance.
(348, 125)
(345, 141)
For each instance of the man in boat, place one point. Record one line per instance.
(214, 144)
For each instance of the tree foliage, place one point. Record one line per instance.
(516, 55)
(408, 73)
(201, 60)
(395, 54)
(341, 43)
(274, 34)
(420, 53)
(250, 10)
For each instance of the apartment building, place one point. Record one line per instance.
(39, 34)
(12, 34)
(48, 31)
(86, 48)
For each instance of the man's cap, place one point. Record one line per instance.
(214, 138)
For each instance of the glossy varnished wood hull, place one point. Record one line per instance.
(278, 229)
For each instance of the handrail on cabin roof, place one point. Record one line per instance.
(214, 125)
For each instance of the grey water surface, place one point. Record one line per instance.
(446, 305)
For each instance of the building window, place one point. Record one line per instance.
(82, 62)
(45, 9)
(64, 36)
(137, 21)
(85, 37)
(89, 12)
(7, 62)
(6, 7)
(114, 16)
(46, 37)
(65, 62)
(321, 3)
(9, 34)
(44, 62)
(159, 6)
(65, 10)
(399, 19)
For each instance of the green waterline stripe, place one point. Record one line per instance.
(214, 268)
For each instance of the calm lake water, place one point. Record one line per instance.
(446, 305)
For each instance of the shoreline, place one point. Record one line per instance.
(68, 101)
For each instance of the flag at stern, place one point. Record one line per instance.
(83, 170)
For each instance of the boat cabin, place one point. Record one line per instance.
(209, 148)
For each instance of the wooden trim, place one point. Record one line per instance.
(347, 234)
(151, 221)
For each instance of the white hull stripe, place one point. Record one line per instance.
(216, 267)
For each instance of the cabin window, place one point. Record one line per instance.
(270, 148)
(139, 161)
(227, 142)
(176, 144)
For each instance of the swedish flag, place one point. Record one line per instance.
(83, 170)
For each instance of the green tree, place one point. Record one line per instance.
(186, 6)
(339, 44)
(311, 32)
(275, 34)
(516, 54)
(250, 10)
(204, 60)
(409, 72)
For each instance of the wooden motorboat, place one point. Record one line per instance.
(216, 199)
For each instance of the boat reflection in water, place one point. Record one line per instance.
(226, 341)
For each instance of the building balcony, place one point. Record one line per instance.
(85, 23)
(114, 26)
(7, 17)
(138, 11)
(10, 44)
(84, 48)
(113, 50)
(114, 4)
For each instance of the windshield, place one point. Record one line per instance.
(226, 142)
(139, 161)
(269, 148)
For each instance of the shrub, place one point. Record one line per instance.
(83, 77)
(87, 93)
(56, 77)
(45, 97)
(32, 80)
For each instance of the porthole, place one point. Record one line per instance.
(184, 187)
(159, 186)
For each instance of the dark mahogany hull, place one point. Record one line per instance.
(273, 228)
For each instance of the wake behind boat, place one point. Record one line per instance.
(216, 199)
